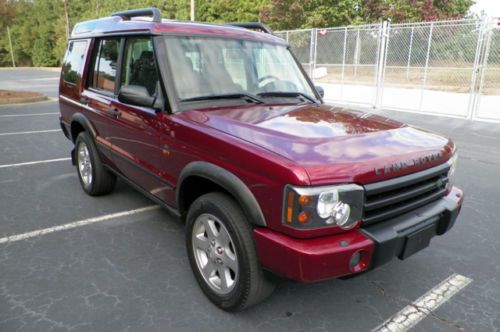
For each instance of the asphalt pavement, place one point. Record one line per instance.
(132, 273)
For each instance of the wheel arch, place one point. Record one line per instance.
(80, 122)
(223, 179)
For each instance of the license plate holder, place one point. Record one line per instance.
(418, 240)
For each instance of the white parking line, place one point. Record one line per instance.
(35, 162)
(44, 231)
(17, 115)
(31, 132)
(409, 316)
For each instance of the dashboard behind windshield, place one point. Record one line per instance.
(203, 67)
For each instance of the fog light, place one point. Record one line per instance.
(355, 259)
(359, 261)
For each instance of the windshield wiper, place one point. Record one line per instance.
(246, 96)
(294, 94)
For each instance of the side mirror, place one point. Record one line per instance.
(320, 90)
(135, 95)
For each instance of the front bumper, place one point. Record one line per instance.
(359, 250)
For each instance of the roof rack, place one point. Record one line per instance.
(128, 14)
(252, 26)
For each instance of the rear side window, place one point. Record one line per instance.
(105, 65)
(139, 66)
(73, 61)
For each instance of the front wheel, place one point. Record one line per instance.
(222, 253)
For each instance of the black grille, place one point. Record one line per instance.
(393, 197)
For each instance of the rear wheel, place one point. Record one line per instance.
(94, 177)
(222, 253)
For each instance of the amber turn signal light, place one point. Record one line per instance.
(303, 217)
(304, 200)
(289, 209)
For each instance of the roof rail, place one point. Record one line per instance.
(252, 25)
(128, 14)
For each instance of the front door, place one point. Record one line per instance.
(134, 131)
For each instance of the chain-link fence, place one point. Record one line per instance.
(447, 67)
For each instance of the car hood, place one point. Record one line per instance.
(333, 144)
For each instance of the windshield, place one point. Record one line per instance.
(210, 67)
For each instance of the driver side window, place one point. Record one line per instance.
(139, 66)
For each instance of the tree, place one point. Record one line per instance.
(414, 10)
(293, 14)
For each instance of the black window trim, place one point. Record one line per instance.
(122, 56)
(167, 106)
(95, 52)
(165, 75)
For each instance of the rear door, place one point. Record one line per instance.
(101, 90)
(134, 131)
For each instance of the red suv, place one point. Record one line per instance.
(221, 125)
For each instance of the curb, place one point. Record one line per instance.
(20, 100)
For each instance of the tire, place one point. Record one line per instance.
(94, 177)
(216, 216)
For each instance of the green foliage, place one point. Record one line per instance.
(39, 33)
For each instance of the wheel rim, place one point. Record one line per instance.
(215, 253)
(84, 164)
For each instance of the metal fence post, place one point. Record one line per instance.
(381, 61)
(344, 54)
(424, 83)
(311, 53)
(357, 52)
(409, 54)
(473, 92)
(483, 67)
(315, 52)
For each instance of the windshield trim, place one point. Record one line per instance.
(177, 105)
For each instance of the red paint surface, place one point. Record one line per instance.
(311, 259)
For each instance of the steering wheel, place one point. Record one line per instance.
(267, 77)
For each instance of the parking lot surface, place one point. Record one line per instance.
(131, 272)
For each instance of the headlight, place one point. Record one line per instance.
(327, 201)
(323, 206)
(451, 173)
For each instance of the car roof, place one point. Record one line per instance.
(116, 25)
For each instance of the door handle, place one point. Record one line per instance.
(113, 112)
(84, 100)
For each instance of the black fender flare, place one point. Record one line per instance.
(85, 123)
(227, 180)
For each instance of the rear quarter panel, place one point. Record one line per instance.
(70, 93)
